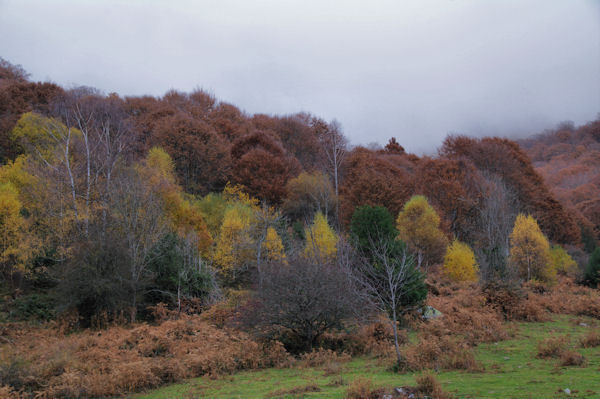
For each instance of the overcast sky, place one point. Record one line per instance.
(416, 70)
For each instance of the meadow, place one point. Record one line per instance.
(511, 369)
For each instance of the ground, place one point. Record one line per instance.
(511, 370)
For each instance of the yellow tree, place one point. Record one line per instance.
(184, 216)
(530, 250)
(419, 227)
(460, 263)
(321, 240)
(234, 246)
(14, 240)
(273, 246)
(562, 261)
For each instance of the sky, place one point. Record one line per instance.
(417, 70)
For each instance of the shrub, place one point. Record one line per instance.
(562, 261)
(552, 347)
(590, 340)
(446, 353)
(362, 388)
(429, 386)
(530, 250)
(572, 358)
(592, 272)
(281, 311)
(459, 262)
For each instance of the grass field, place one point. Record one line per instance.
(511, 370)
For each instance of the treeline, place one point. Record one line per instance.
(569, 160)
(111, 205)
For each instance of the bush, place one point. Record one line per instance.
(562, 261)
(281, 311)
(362, 388)
(429, 386)
(572, 358)
(590, 340)
(592, 272)
(459, 262)
(33, 306)
(552, 347)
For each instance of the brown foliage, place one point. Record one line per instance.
(569, 161)
(428, 385)
(590, 340)
(441, 353)
(119, 360)
(505, 158)
(201, 157)
(552, 347)
(262, 166)
(572, 358)
(362, 388)
(375, 179)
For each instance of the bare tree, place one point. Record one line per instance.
(335, 146)
(389, 281)
(140, 217)
(265, 217)
(302, 298)
(496, 219)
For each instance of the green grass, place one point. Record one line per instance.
(511, 371)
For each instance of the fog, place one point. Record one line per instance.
(417, 70)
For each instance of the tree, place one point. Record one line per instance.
(562, 261)
(300, 300)
(375, 179)
(334, 145)
(321, 240)
(262, 166)
(495, 221)
(460, 263)
(16, 247)
(530, 250)
(418, 225)
(387, 278)
(592, 271)
(307, 194)
(274, 247)
(202, 158)
(371, 223)
(506, 159)
(234, 247)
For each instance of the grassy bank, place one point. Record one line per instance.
(511, 370)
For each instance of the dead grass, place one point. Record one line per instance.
(429, 386)
(552, 347)
(362, 388)
(572, 358)
(590, 340)
(116, 361)
(294, 391)
(441, 353)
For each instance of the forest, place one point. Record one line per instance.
(149, 240)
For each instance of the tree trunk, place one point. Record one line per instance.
(399, 357)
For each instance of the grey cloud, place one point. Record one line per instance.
(411, 69)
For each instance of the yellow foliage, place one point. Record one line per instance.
(530, 250)
(273, 246)
(562, 261)
(185, 218)
(321, 240)
(43, 135)
(418, 226)
(160, 163)
(15, 247)
(460, 263)
(233, 244)
(235, 194)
